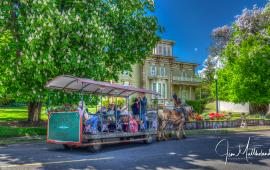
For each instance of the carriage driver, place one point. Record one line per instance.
(180, 109)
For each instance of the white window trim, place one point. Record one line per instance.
(154, 88)
(153, 70)
(162, 71)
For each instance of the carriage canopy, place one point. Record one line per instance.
(83, 85)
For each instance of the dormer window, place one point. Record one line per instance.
(159, 49)
(163, 48)
(169, 51)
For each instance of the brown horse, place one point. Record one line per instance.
(176, 117)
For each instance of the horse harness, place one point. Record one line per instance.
(179, 109)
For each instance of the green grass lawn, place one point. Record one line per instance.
(17, 114)
(210, 107)
(21, 114)
(6, 132)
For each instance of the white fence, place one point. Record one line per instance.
(233, 107)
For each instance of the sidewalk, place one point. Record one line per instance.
(23, 139)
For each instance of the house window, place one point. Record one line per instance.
(162, 71)
(155, 50)
(164, 90)
(126, 73)
(159, 49)
(169, 51)
(164, 50)
(159, 88)
(154, 87)
(153, 70)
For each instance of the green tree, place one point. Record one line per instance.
(245, 77)
(46, 38)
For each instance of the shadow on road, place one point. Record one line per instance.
(191, 153)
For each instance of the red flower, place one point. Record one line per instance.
(198, 117)
(216, 115)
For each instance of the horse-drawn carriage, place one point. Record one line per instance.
(68, 127)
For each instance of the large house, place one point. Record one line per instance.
(161, 72)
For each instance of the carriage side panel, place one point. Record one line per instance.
(64, 128)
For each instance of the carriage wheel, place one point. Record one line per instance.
(96, 145)
(149, 139)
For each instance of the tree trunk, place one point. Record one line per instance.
(34, 111)
(258, 108)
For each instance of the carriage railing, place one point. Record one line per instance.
(113, 123)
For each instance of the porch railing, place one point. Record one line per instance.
(186, 79)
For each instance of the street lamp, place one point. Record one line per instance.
(216, 79)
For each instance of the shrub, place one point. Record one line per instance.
(198, 117)
(198, 105)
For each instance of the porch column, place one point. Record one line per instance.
(180, 95)
(190, 93)
(170, 90)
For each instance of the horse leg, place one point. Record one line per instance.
(163, 126)
(159, 131)
(180, 133)
(182, 128)
(158, 135)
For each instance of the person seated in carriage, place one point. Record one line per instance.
(129, 124)
(117, 112)
(90, 121)
(111, 112)
(102, 112)
(111, 117)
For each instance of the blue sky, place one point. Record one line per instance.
(190, 22)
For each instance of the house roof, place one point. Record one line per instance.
(171, 42)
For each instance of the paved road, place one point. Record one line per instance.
(191, 153)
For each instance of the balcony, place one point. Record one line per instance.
(179, 80)
(155, 76)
